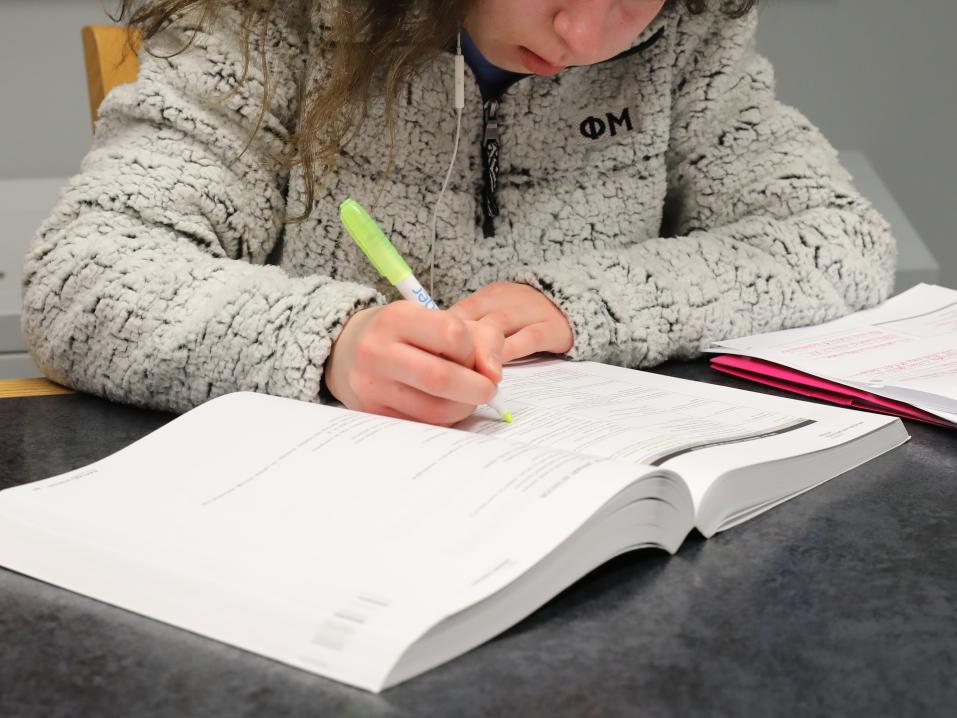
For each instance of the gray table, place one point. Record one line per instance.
(842, 601)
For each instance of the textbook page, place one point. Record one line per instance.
(699, 431)
(905, 349)
(324, 538)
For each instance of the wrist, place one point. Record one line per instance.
(335, 369)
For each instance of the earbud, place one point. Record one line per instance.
(459, 76)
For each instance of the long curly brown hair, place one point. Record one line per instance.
(380, 45)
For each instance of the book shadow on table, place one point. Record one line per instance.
(617, 582)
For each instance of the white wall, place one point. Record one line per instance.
(45, 117)
(875, 75)
(879, 76)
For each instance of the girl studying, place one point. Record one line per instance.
(606, 180)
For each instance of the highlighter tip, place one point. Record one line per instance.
(507, 417)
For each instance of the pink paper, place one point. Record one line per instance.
(780, 377)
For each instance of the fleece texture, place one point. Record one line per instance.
(663, 200)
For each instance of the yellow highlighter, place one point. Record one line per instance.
(390, 264)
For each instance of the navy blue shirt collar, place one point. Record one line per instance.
(492, 79)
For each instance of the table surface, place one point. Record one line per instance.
(842, 601)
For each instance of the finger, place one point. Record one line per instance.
(470, 307)
(530, 340)
(489, 345)
(511, 307)
(408, 401)
(487, 299)
(513, 318)
(436, 376)
(438, 333)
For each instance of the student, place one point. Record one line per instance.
(627, 190)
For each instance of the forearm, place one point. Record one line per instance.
(145, 317)
(671, 297)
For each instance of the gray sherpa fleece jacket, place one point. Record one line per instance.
(662, 200)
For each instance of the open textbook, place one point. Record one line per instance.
(369, 549)
(904, 351)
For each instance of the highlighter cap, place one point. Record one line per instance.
(373, 242)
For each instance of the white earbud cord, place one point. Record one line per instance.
(459, 107)
(435, 212)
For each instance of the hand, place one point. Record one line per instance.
(530, 320)
(405, 361)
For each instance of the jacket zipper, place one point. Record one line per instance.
(490, 165)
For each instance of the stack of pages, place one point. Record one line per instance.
(899, 358)
(369, 549)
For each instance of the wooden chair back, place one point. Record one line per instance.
(110, 61)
